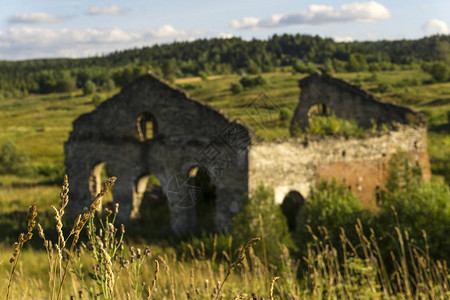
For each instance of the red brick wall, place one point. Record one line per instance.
(363, 177)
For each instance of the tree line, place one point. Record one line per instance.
(203, 57)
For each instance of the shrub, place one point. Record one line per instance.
(12, 160)
(403, 173)
(108, 85)
(285, 114)
(262, 217)
(339, 65)
(96, 99)
(170, 78)
(439, 71)
(327, 125)
(333, 206)
(374, 67)
(246, 81)
(203, 75)
(357, 63)
(249, 82)
(413, 206)
(260, 81)
(190, 86)
(421, 209)
(301, 67)
(236, 88)
(252, 67)
(54, 172)
(65, 85)
(372, 78)
(328, 66)
(384, 87)
(88, 87)
(82, 76)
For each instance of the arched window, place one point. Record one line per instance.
(205, 198)
(146, 126)
(99, 174)
(320, 120)
(320, 110)
(291, 206)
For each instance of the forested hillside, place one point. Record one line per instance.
(224, 56)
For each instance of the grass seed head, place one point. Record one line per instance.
(31, 217)
(41, 231)
(64, 196)
(272, 284)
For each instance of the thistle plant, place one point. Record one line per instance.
(137, 260)
(79, 224)
(105, 247)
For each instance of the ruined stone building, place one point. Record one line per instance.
(151, 128)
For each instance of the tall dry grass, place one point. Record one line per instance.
(361, 271)
(102, 266)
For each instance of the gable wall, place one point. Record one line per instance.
(346, 101)
(177, 116)
(186, 131)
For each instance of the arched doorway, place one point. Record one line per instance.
(150, 208)
(291, 206)
(147, 190)
(204, 199)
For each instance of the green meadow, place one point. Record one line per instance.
(40, 124)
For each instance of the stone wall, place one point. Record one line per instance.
(347, 101)
(186, 134)
(296, 165)
(189, 134)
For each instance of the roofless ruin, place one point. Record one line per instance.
(153, 129)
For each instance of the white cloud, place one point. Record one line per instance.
(31, 42)
(165, 31)
(42, 37)
(247, 22)
(225, 35)
(34, 17)
(113, 10)
(435, 26)
(343, 39)
(320, 14)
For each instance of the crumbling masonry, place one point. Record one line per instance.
(151, 128)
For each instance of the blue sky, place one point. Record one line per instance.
(78, 28)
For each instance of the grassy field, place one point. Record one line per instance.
(39, 125)
(106, 268)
